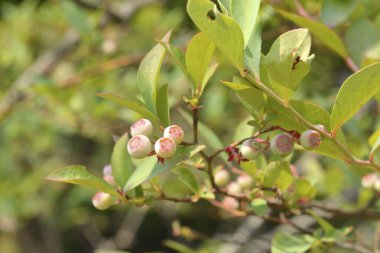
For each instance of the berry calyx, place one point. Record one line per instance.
(282, 144)
(222, 177)
(245, 181)
(102, 200)
(368, 181)
(251, 149)
(165, 147)
(142, 127)
(175, 133)
(139, 146)
(310, 139)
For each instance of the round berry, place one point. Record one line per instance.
(230, 203)
(251, 149)
(377, 184)
(222, 177)
(102, 200)
(165, 147)
(110, 179)
(282, 144)
(310, 139)
(139, 146)
(175, 133)
(107, 170)
(142, 127)
(245, 181)
(368, 181)
(234, 188)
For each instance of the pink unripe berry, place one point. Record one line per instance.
(310, 139)
(234, 188)
(245, 181)
(175, 133)
(139, 146)
(110, 179)
(102, 200)
(230, 203)
(142, 127)
(107, 170)
(222, 177)
(282, 144)
(165, 147)
(368, 181)
(251, 149)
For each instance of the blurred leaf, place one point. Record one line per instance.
(121, 162)
(356, 91)
(304, 188)
(278, 174)
(288, 62)
(334, 12)
(252, 54)
(163, 110)
(150, 168)
(222, 30)
(328, 37)
(178, 247)
(198, 57)
(361, 40)
(76, 17)
(77, 174)
(375, 149)
(285, 243)
(325, 225)
(147, 74)
(209, 73)
(136, 106)
(188, 178)
(259, 206)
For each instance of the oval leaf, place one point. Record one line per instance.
(163, 105)
(356, 91)
(121, 162)
(222, 30)
(259, 206)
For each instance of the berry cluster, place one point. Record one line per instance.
(140, 146)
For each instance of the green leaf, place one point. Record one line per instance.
(222, 30)
(252, 54)
(198, 57)
(288, 62)
(285, 243)
(278, 174)
(304, 188)
(245, 13)
(361, 39)
(134, 105)
(209, 73)
(334, 12)
(375, 148)
(149, 168)
(121, 162)
(356, 91)
(77, 174)
(226, 6)
(328, 37)
(253, 99)
(176, 54)
(162, 106)
(259, 206)
(147, 74)
(325, 225)
(314, 114)
(188, 178)
(76, 17)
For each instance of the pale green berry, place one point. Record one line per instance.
(165, 147)
(245, 181)
(175, 133)
(251, 149)
(222, 177)
(142, 127)
(310, 139)
(282, 144)
(102, 200)
(139, 146)
(234, 188)
(368, 181)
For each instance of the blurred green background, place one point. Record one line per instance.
(56, 55)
